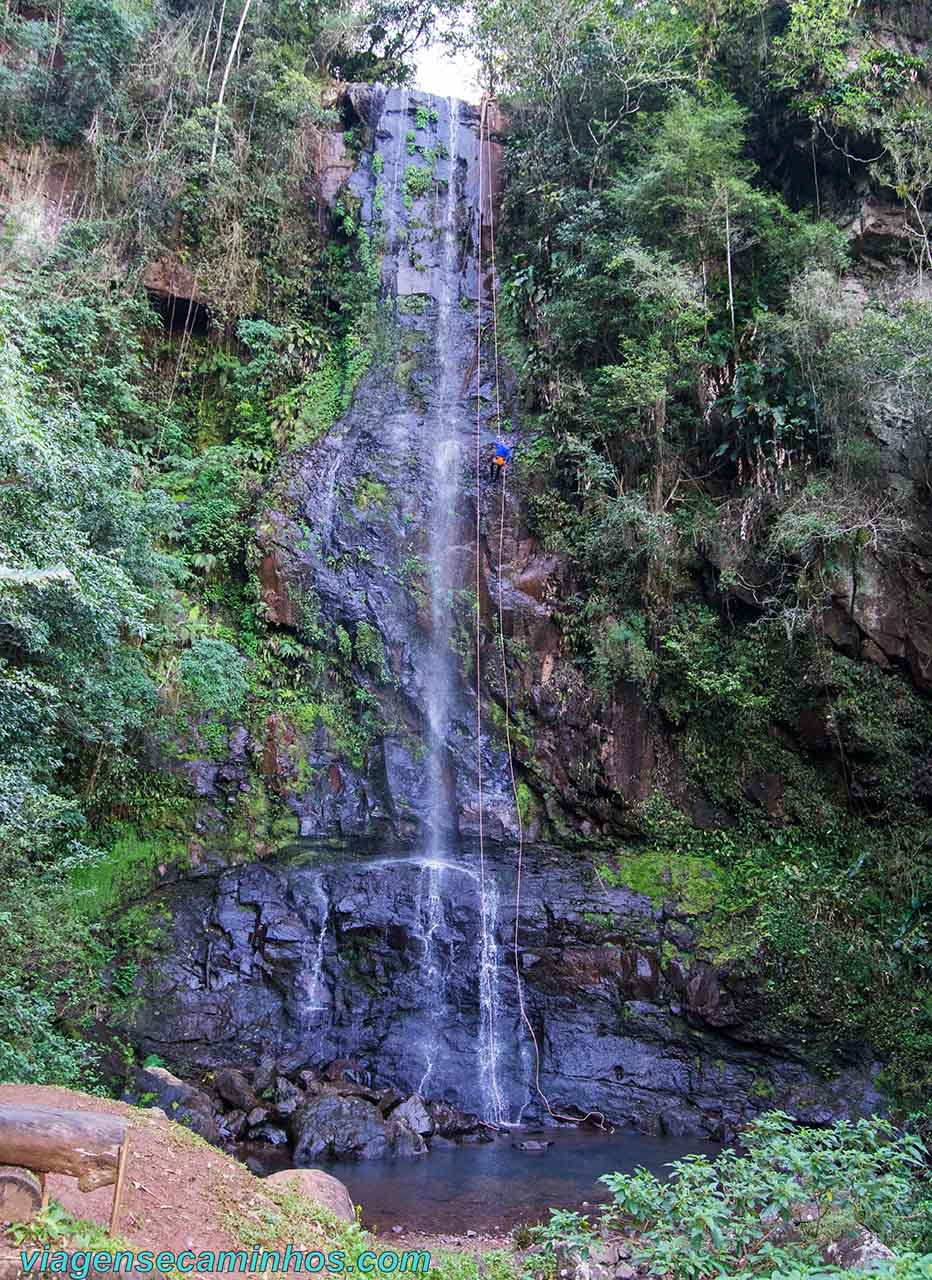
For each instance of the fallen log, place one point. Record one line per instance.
(83, 1144)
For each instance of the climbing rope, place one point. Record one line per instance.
(519, 866)
(483, 975)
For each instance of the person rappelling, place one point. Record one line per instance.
(501, 456)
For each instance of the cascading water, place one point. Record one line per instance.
(417, 191)
(439, 681)
(429, 909)
(317, 993)
(489, 1003)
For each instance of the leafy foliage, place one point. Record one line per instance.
(55, 95)
(861, 1175)
(728, 444)
(740, 1215)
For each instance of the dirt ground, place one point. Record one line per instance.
(178, 1190)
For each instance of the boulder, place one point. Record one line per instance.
(264, 1075)
(607, 1260)
(402, 1139)
(450, 1122)
(235, 1089)
(319, 1186)
(389, 1100)
(292, 1064)
(348, 1070)
(349, 1089)
(858, 1252)
(271, 1134)
(183, 1102)
(415, 1115)
(338, 1128)
(288, 1097)
(233, 1124)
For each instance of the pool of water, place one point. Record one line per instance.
(493, 1186)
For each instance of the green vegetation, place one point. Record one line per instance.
(295, 1219)
(708, 438)
(371, 494)
(58, 1229)
(416, 183)
(140, 426)
(731, 456)
(735, 1217)
(692, 882)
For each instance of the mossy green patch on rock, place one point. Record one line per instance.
(692, 882)
(371, 494)
(125, 868)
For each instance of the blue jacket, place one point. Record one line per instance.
(502, 451)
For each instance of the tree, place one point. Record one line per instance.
(562, 53)
(81, 574)
(375, 39)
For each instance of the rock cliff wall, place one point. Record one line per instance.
(330, 956)
(380, 953)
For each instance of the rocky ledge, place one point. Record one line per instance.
(314, 1115)
(407, 966)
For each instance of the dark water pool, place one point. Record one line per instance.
(492, 1186)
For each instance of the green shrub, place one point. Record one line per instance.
(731, 1216)
(416, 184)
(370, 651)
(34, 1049)
(622, 652)
(214, 676)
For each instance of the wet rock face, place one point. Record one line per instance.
(344, 552)
(381, 960)
(882, 616)
(345, 546)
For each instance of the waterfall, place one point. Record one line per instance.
(415, 433)
(429, 912)
(445, 430)
(314, 985)
(489, 1004)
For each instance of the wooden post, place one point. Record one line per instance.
(118, 1189)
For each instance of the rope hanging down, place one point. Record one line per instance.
(491, 1028)
(519, 867)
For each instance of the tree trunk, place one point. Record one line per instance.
(218, 105)
(659, 413)
(213, 60)
(83, 1144)
(731, 287)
